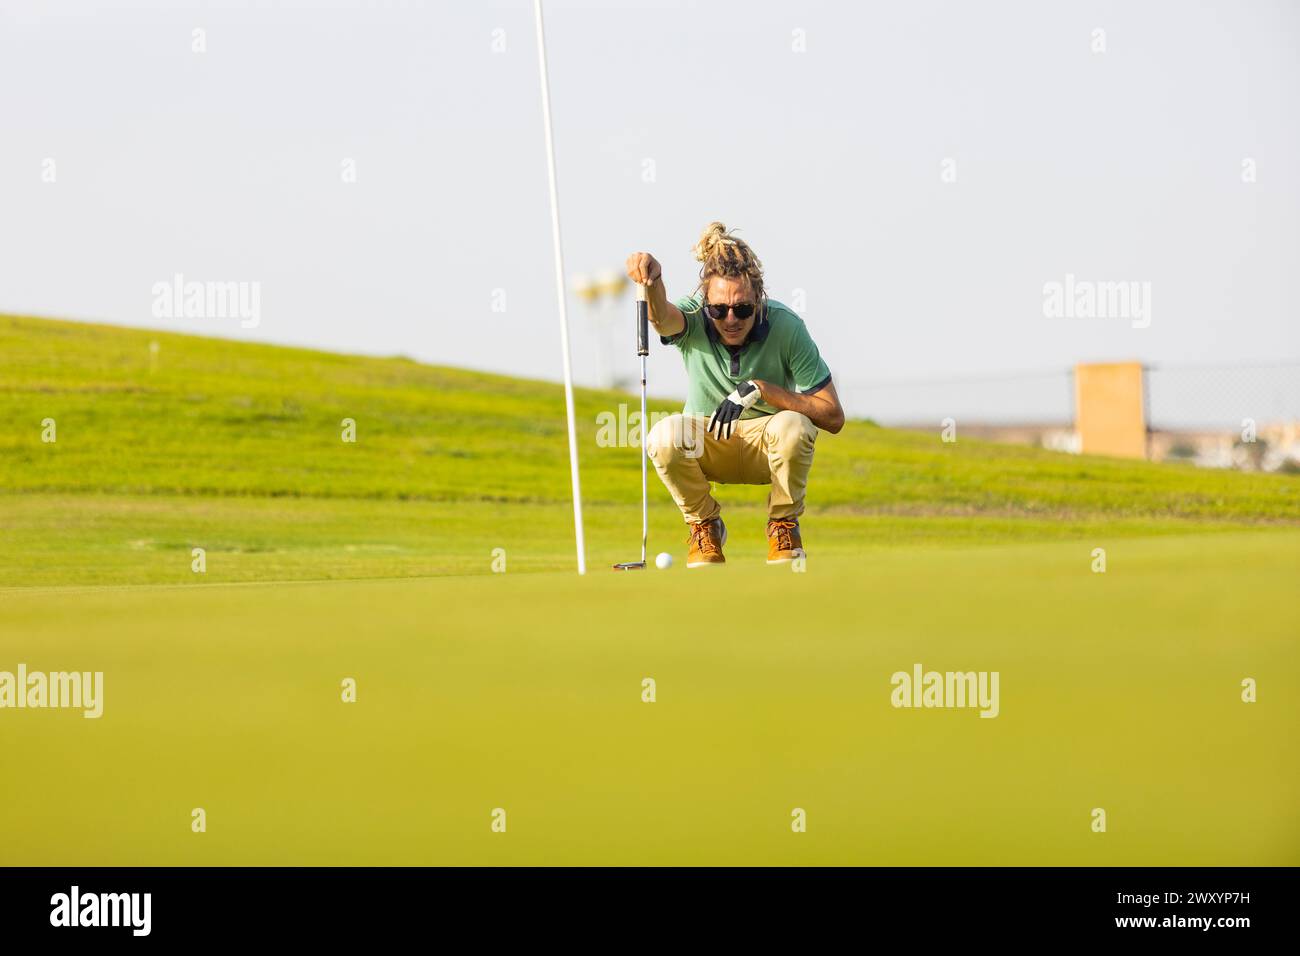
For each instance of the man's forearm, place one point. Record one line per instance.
(664, 316)
(828, 416)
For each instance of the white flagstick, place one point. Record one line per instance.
(559, 288)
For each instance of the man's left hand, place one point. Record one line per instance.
(745, 397)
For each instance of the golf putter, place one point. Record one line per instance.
(643, 350)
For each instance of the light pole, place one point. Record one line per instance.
(613, 286)
(600, 297)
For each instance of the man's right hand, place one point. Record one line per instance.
(643, 268)
(664, 316)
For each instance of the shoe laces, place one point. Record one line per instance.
(783, 531)
(702, 537)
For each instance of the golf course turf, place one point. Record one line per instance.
(525, 690)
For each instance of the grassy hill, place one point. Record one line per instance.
(237, 448)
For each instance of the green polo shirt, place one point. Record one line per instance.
(779, 350)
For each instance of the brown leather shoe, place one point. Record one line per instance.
(707, 539)
(783, 541)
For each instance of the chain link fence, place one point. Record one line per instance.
(1024, 398)
(1221, 397)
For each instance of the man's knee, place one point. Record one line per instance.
(790, 434)
(673, 438)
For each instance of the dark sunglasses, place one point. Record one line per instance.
(719, 312)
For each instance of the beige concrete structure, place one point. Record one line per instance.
(1108, 409)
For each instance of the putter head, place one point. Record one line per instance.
(630, 566)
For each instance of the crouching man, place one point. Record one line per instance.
(758, 393)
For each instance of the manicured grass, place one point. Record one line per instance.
(1118, 691)
(95, 539)
(237, 448)
(523, 690)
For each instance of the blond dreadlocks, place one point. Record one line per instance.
(720, 253)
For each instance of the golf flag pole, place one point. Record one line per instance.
(559, 290)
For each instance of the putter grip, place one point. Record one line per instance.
(642, 322)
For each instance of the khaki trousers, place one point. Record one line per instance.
(770, 449)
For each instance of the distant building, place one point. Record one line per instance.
(1110, 418)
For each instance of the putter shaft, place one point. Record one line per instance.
(645, 497)
(643, 350)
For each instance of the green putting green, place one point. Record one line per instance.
(524, 692)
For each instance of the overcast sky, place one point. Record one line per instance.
(823, 130)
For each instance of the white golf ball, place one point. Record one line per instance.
(664, 561)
